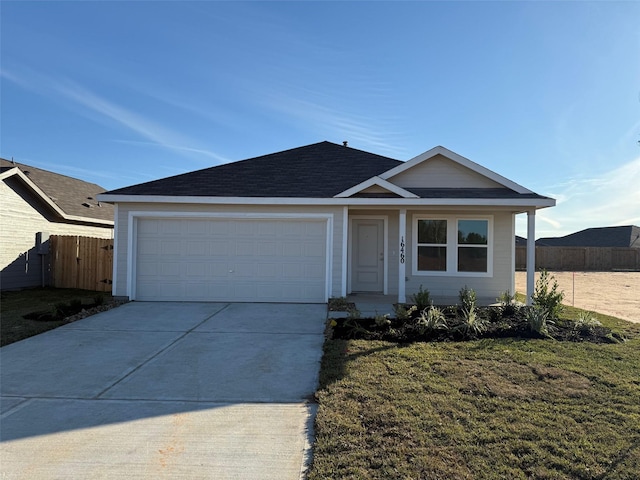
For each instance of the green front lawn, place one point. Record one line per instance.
(492, 408)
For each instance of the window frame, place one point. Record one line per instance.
(452, 245)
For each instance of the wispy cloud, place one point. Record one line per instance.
(179, 148)
(93, 103)
(608, 199)
(362, 132)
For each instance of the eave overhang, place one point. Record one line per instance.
(16, 172)
(522, 204)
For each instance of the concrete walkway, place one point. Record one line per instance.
(164, 390)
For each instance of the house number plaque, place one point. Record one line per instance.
(402, 249)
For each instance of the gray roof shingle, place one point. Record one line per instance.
(73, 196)
(624, 236)
(319, 170)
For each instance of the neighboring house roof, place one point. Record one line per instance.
(624, 236)
(521, 241)
(72, 199)
(326, 170)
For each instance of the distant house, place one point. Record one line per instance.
(521, 241)
(36, 203)
(320, 221)
(596, 249)
(625, 236)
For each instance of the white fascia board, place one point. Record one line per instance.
(46, 199)
(97, 221)
(384, 202)
(27, 181)
(459, 159)
(380, 183)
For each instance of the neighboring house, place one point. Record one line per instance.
(36, 203)
(321, 221)
(521, 241)
(624, 236)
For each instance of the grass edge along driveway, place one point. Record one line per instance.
(505, 408)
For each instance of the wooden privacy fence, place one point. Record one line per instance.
(602, 259)
(81, 262)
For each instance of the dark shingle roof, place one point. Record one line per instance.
(319, 170)
(470, 193)
(73, 196)
(625, 236)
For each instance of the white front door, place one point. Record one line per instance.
(367, 255)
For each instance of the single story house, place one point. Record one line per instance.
(36, 203)
(320, 221)
(624, 236)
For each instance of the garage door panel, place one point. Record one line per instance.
(169, 227)
(194, 269)
(219, 247)
(247, 249)
(197, 227)
(267, 248)
(291, 249)
(269, 270)
(171, 247)
(231, 260)
(197, 248)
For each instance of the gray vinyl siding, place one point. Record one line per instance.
(440, 172)
(444, 289)
(122, 241)
(20, 220)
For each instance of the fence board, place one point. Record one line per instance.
(81, 262)
(601, 259)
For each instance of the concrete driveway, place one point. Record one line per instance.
(164, 390)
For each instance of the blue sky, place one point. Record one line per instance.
(544, 93)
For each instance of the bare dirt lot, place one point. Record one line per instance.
(611, 293)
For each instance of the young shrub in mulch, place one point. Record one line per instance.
(450, 323)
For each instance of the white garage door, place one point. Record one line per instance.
(231, 260)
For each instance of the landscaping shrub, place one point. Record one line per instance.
(473, 324)
(422, 299)
(450, 323)
(547, 296)
(537, 318)
(468, 299)
(430, 320)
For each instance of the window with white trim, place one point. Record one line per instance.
(473, 245)
(452, 245)
(432, 245)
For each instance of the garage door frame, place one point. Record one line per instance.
(135, 216)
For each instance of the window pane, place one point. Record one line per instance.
(432, 259)
(432, 231)
(472, 259)
(473, 232)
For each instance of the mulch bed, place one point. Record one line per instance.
(496, 324)
(72, 313)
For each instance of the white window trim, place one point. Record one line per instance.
(452, 245)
